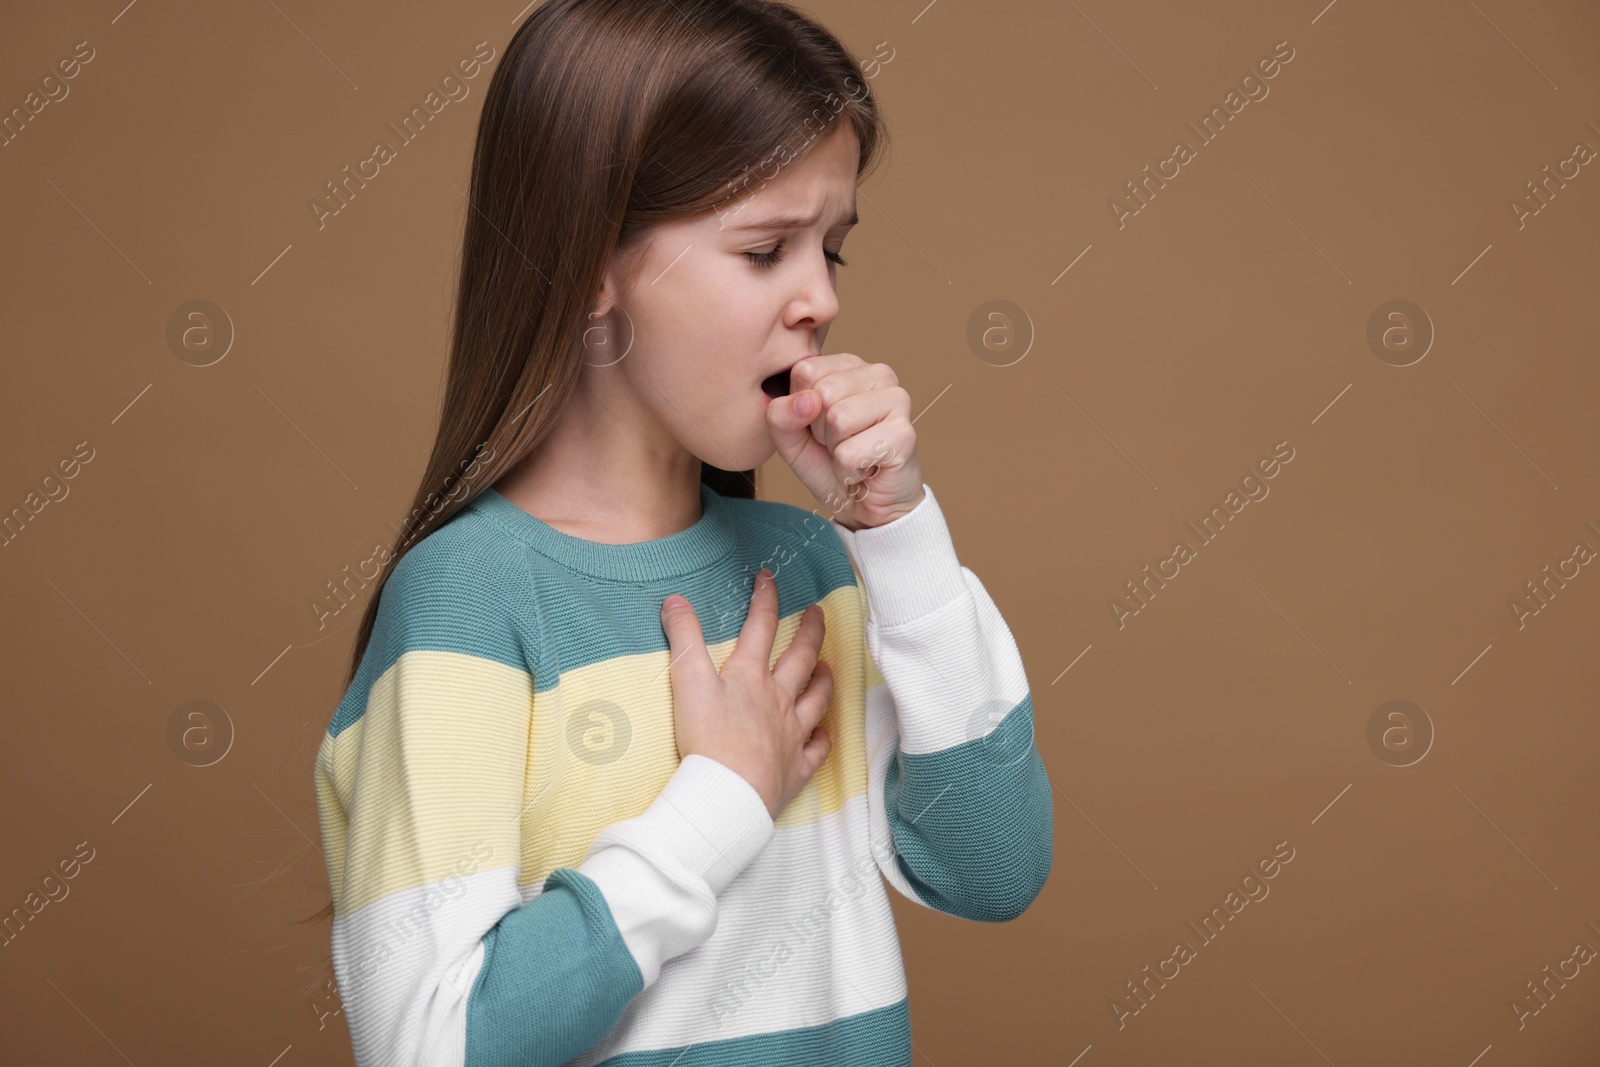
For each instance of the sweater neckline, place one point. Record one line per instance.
(709, 540)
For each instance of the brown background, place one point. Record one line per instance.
(1231, 313)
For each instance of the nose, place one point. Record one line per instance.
(816, 299)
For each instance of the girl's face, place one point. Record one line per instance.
(723, 302)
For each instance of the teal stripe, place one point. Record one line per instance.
(472, 586)
(877, 1038)
(458, 590)
(973, 823)
(556, 977)
(590, 621)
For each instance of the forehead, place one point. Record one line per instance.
(819, 185)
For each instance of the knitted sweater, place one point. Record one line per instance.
(524, 871)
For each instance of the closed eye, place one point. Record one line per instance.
(767, 259)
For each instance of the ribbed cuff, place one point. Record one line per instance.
(909, 565)
(707, 818)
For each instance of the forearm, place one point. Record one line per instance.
(965, 793)
(645, 892)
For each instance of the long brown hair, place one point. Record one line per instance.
(605, 118)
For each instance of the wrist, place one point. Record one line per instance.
(899, 512)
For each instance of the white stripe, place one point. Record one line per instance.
(404, 984)
(804, 936)
(661, 871)
(954, 673)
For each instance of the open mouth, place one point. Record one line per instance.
(776, 385)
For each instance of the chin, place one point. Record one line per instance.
(749, 457)
(760, 455)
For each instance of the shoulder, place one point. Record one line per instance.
(463, 588)
(784, 533)
(460, 590)
(774, 517)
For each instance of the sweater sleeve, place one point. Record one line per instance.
(422, 794)
(959, 801)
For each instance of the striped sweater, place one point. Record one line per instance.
(523, 869)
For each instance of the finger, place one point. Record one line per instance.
(842, 382)
(799, 447)
(800, 658)
(882, 446)
(855, 413)
(812, 705)
(811, 370)
(829, 389)
(755, 636)
(815, 751)
(691, 660)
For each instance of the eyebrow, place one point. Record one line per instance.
(792, 222)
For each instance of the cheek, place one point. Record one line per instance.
(736, 287)
(724, 323)
(741, 332)
(739, 299)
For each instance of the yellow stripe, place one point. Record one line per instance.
(429, 801)
(432, 802)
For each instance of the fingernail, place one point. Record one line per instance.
(672, 601)
(805, 405)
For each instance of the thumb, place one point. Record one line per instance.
(789, 418)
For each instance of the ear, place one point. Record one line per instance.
(610, 286)
(607, 297)
(622, 270)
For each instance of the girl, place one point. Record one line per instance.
(625, 749)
